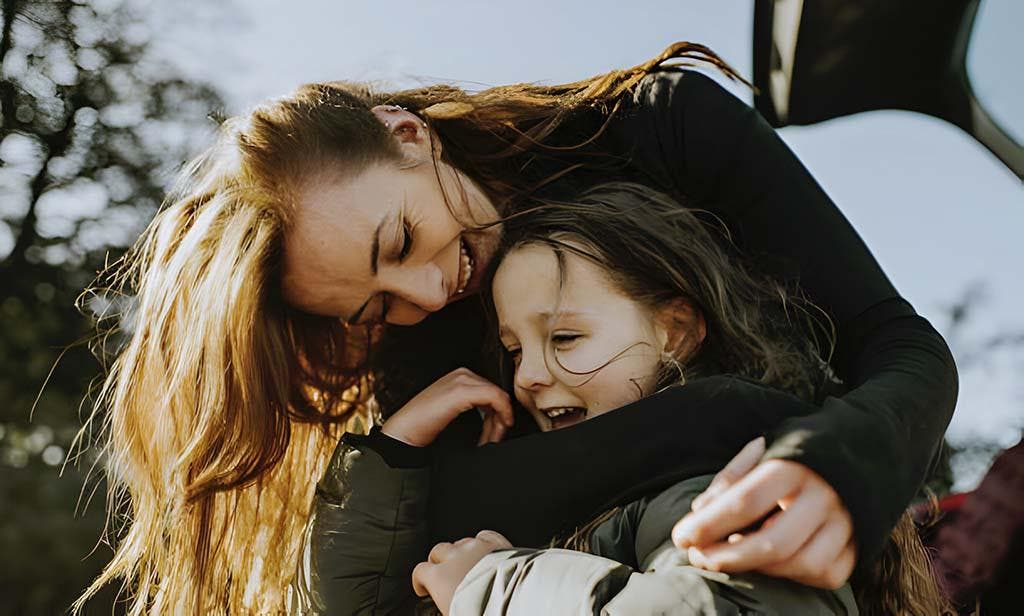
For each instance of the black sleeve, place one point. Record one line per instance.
(874, 444)
(535, 487)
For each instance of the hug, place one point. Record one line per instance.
(619, 351)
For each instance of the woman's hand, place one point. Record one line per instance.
(809, 541)
(448, 564)
(424, 417)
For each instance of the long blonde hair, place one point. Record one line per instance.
(223, 405)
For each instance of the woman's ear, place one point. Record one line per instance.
(684, 328)
(411, 132)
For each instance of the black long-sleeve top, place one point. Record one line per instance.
(684, 134)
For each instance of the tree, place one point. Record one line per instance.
(92, 126)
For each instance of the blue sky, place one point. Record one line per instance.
(937, 210)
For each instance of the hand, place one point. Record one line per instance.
(809, 541)
(424, 417)
(448, 564)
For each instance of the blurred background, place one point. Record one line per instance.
(102, 100)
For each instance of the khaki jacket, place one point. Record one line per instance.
(368, 532)
(634, 569)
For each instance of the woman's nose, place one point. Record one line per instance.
(416, 294)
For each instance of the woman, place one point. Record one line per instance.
(329, 210)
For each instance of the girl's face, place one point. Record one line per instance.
(383, 245)
(580, 347)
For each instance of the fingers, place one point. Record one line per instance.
(741, 464)
(495, 538)
(420, 420)
(449, 563)
(825, 561)
(493, 430)
(486, 431)
(830, 577)
(477, 391)
(439, 552)
(443, 551)
(500, 403)
(421, 578)
(774, 542)
(744, 503)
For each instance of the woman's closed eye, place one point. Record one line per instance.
(407, 236)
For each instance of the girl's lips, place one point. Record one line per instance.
(563, 417)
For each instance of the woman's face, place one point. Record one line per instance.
(382, 245)
(580, 347)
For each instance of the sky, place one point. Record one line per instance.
(938, 211)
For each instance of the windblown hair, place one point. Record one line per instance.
(656, 251)
(223, 405)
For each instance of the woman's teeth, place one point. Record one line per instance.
(465, 267)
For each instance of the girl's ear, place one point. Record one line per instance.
(411, 132)
(683, 328)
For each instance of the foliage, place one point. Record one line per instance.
(92, 126)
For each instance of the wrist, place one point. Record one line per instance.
(398, 435)
(395, 452)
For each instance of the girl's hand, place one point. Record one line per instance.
(424, 417)
(810, 541)
(448, 564)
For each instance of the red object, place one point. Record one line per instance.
(978, 547)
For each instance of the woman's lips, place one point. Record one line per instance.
(478, 248)
(466, 267)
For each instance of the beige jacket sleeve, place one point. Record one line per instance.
(554, 581)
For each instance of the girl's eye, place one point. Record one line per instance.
(406, 241)
(515, 353)
(564, 340)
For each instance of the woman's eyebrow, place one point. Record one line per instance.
(392, 219)
(375, 244)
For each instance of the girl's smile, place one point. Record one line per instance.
(580, 347)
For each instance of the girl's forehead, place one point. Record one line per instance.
(532, 278)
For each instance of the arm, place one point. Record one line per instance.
(369, 527)
(369, 522)
(699, 428)
(529, 582)
(874, 444)
(515, 581)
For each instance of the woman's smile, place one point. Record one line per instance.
(387, 245)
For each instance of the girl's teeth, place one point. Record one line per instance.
(553, 413)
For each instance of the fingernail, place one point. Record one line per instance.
(696, 557)
(699, 502)
(681, 534)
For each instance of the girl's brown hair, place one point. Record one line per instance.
(656, 251)
(223, 405)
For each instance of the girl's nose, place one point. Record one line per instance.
(533, 372)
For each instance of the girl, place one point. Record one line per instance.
(262, 288)
(598, 304)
